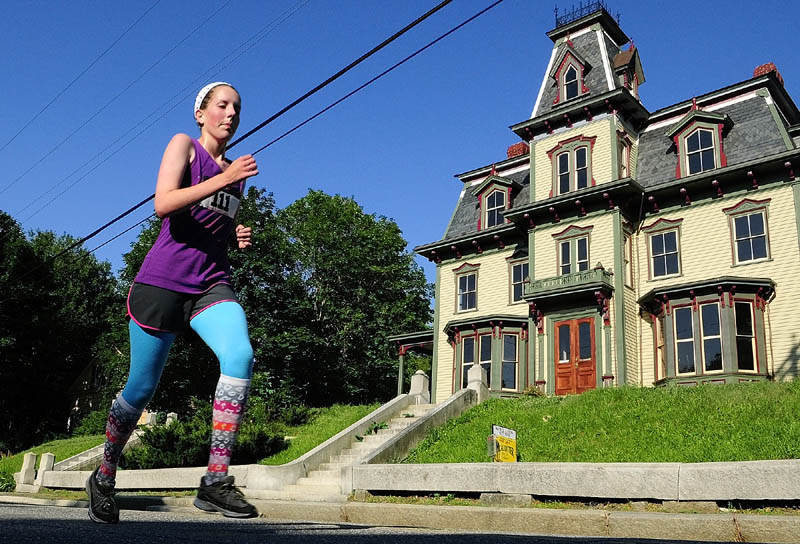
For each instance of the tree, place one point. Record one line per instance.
(361, 285)
(52, 311)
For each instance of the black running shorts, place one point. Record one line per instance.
(160, 309)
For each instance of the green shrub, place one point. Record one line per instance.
(7, 483)
(92, 423)
(186, 443)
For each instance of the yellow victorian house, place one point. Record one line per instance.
(618, 246)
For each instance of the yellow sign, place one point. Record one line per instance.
(506, 440)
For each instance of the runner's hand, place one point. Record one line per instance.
(243, 235)
(242, 168)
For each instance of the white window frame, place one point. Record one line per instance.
(521, 283)
(496, 210)
(678, 341)
(504, 361)
(464, 365)
(703, 338)
(751, 336)
(565, 82)
(700, 151)
(575, 264)
(652, 255)
(750, 238)
(460, 295)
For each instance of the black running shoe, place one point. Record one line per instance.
(102, 506)
(223, 497)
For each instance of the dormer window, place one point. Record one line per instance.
(495, 195)
(495, 205)
(698, 140)
(568, 72)
(570, 83)
(700, 151)
(572, 165)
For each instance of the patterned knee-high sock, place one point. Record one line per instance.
(121, 423)
(230, 399)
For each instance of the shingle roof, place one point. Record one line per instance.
(754, 134)
(594, 79)
(465, 218)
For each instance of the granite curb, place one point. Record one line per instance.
(587, 523)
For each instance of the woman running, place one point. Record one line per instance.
(185, 282)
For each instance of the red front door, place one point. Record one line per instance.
(575, 356)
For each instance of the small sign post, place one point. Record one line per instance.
(506, 444)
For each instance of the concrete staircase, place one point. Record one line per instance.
(91, 458)
(324, 483)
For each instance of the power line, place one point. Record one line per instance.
(260, 126)
(226, 61)
(376, 78)
(114, 99)
(71, 83)
(341, 72)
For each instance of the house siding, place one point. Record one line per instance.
(493, 297)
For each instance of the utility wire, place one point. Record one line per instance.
(71, 83)
(341, 72)
(223, 63)
(114, 99)
(376, 78)
(260, 126)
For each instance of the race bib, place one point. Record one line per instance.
(221, 202)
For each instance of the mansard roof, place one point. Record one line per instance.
(588, 47)
(753, 132)
(465, 217)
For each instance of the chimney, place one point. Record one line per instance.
(517, 149)
(767, 68)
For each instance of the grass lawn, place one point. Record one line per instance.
(62, 449)
(324, 423)
(694, 424)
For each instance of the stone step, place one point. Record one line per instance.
(345, 459)
(331, 466)
(316, 483)
(325, 474)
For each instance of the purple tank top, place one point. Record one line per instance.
(190, 254)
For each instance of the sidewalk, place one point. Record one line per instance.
(590, 523)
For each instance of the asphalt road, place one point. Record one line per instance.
(20, 524)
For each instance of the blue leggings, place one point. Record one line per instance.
(223, 327)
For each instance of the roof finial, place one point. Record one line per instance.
(632, 46)
(694, 103)
(494, 170)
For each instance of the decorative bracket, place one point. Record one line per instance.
(687, 200)
(716, 185)
(752, 176)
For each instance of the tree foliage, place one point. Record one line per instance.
(52, 311)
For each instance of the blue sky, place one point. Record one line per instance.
(394, 147)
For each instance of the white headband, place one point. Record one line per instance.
(204, 91)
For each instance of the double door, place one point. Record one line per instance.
(576, 368)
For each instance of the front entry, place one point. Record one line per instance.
(576, 370)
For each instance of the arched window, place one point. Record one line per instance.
(570, 83)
